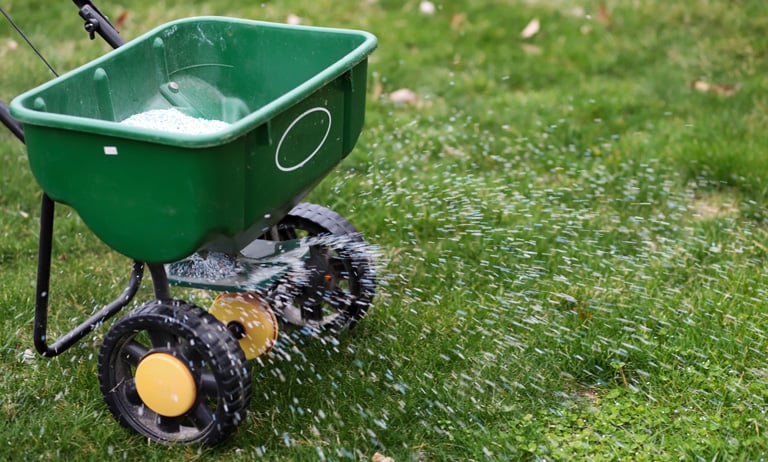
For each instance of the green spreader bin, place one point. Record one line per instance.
(294, 97)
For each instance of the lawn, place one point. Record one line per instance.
(569, 204)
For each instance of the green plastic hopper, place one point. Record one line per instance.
(294, 97)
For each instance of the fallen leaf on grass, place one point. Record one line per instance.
(531, 49)
(378, 89)
(457, 20)
(404, 96)
(378, 457)
(590, 394)
(120, 21)
(577, 12)
(603, 15)
(531, 29)
(725, 89)
(451, 151)
(700, 85)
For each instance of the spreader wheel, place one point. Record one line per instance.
(340, 280)
(173, 373)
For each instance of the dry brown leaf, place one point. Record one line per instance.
(530, 49)
(457, 20)
(531, 29)
(700, 85)
(120, 21)
(451, 151)
(378, 89)
(378, 457)
(725, 89)
(404, 96)
(603, 15)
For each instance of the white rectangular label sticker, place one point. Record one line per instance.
(110, 150)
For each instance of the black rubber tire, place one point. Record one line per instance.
(317, 220)
(215, 359)
(348, 261)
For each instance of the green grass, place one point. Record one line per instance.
(573, 243)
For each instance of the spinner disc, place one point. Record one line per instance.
(250, 318)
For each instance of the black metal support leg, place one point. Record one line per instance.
(12, 124)
(160, 281)
(43, 293)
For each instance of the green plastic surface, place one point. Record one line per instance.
(295, 98)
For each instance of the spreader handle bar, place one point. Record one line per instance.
(43, 286)
(10, 122)
(97, 23)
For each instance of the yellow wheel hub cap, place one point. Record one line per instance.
(165, 384)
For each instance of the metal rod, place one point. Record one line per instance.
(43, 294)
(29, 42)
(160, 281)
(97, 22)
(12, 124)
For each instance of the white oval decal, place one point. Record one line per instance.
(288, 130)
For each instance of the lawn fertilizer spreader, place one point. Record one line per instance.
(215, 205)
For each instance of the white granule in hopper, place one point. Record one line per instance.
(172, 120)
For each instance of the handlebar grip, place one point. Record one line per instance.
(13, 125)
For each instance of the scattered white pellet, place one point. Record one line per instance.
(173, 120)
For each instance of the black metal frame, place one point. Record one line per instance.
(95, 23)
